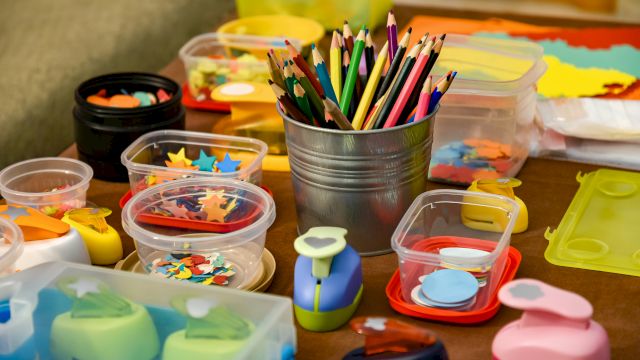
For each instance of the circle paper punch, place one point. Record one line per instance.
(484, 217)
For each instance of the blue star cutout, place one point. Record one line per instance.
(228, 165)
(14, 212)
(204, 162)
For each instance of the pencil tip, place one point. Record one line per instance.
(313, 46)
(391, 11)
(346, 22)
(287, 42)
(270, 81)
(410, 29)
(443, 36)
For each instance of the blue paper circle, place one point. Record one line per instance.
(449, 286)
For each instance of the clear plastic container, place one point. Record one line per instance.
(213, 59)
(486, 119)
(146, 157)
(36, 302)
(474, 228)
(51, 185)
(12, 245)
(238, 235)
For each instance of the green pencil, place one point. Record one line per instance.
(317, 107)
(350, 82)
(301, 99)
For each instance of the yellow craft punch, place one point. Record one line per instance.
(102, 240)
(253, 114)
(488, 217)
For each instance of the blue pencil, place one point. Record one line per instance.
(440, 90)
(323, 74)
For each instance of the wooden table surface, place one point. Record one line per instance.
(548, 187)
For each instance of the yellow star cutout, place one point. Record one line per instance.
(179, 157)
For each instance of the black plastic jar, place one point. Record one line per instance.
(102, 133)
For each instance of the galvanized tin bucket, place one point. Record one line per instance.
(363, 181)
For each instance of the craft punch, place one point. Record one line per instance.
(327, 279)
(556, 324)
(484, 217)
(102, 240)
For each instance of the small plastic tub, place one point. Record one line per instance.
(146, 158)
(458, 230)
(306, 30)
(12, 246)
(213, 59)
(51, 185)
(485, 122)
(185, 219)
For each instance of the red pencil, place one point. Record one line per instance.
(423, 102)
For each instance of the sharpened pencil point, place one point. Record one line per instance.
(410, 29)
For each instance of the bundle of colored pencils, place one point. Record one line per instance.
(342, 98)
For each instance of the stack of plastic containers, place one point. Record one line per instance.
(445, 238)
(130, 316)
(12, 246)
(485, 122)
(205, 230)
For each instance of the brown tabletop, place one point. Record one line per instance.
(548, 187)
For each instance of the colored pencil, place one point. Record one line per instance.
(392, 35)
(335, 55)
(398, 83)
(336, 114)
(368, 54)
(323, 74)
(288, 103)
(347, 37)
(372, 84)
(407, 87)
(316, 102)
(352, 74)
(413, 99)
(346, 62)
(302, 99)
(423, 102)
(440, 88)
(395, 65)
(375, 111)
(274, 70)
(437, 48)
(302, 64)
(288, 78)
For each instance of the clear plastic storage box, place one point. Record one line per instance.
(456, 230)
(12, 246)
(209, 231)
(51, 185)
(213, 59)
(146, 159)
(61, 309)
(486, 118)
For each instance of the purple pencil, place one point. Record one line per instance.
(392, 35)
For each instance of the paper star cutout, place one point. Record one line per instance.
(204, 162)
(179, 165)
(14, 212)
(213, 199)
(228, 165)
(199, 307)
(175, 210)
(215, 214)
(179, 157)
(84, 286)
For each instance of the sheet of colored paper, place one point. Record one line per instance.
(593, 38)
(485, 66)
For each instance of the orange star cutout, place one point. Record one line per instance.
(215, 214)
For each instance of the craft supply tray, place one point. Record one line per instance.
(600, 229)
(37, 302)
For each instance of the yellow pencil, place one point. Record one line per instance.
(335, 56)
(370, 89)
(375, 111)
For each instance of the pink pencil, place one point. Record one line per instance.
(423, 102)
(419, 66)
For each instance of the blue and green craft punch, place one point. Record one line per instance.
(327, 279)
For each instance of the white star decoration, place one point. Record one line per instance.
(84, 286)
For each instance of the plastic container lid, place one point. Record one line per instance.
(9, 253)
(600, 229)
(30, 182)
(490, 66)
(211, 44)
